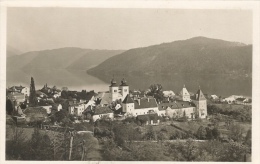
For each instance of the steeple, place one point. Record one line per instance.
(113, 82)
(123, 82)
(199, 95)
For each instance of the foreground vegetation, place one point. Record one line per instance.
(226, 136)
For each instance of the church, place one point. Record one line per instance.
(192, 107)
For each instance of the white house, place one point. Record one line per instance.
(185, 95)
(232, 99)
(77, 109)
(139, 106)
(48, 108)
(168, 93)
(102, 112)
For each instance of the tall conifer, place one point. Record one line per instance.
(32, 98)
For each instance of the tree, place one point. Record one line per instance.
(32, 98)
(151, 135)
(236, 132)
(9, 107)
(248, 138)
(215, 133)
(202, 133)
(156, 90)
(15, 146)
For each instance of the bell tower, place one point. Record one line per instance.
(113, 90)
(124, 89)
(201, 104)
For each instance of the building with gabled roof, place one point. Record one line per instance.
(185, 95)
(101, 112)
(201, 103)
(139, 106)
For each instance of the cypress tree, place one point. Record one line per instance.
(32, 99)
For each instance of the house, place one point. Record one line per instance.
(56, 107)
(104, 98)
(214, 97)
(77, 109)
(168, 93)
(196, 107)
(242, 101)
(48, 108)
(185, 95)
(16, 96)
(231, 99)
(20, 89)
(102, 112)
(149, 119)
(178, 109)
(201, 104)
(139, 106)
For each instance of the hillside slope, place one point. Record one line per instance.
(63, 58)
(197, 55)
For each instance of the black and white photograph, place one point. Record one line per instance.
(130, 83)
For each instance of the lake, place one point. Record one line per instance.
(222, 85)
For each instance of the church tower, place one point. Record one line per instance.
(201, 104)
(124, 89)
(185, 95)
(113, 90)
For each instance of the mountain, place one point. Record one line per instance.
(199, 55)
(10, 51)
(63, 58)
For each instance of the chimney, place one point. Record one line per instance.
(138, 101)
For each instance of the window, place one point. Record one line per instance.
(115, 90)
(125, 90)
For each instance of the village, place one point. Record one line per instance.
(127, 118)
(118, 103)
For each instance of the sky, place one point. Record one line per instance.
(32, 29)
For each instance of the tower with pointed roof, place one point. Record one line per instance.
(124, 88)
(113, 90)
(201, 104)
(128, 105)
(185, 95)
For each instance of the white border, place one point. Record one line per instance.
(239, 5)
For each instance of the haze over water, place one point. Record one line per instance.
(222, 85)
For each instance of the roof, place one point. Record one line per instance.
(90, 94)
(113, 83)
(175, 105)
(123, 82)
(145, 103)
(241, 99)
(184, 92)
(104, 97)
(102, 110)
(153, 116)
(199, 95)
(128, 99)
